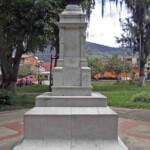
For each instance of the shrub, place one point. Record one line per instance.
(5, 97)
(141, 97)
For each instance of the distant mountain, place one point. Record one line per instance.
(91, 49)
(94, 49)
(45, 55)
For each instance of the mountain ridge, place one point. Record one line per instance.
(94, 48)
(90, 48)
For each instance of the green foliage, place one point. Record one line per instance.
(33, 89)
(25, 97)
(24, 100)
(116, 66)
(24, 71)
(127, 67)
(113, 86)
(93, 63)
(25, 25)
(5, 97)
(141, 97)
(136, 34)
(42, 78)
(102, 69)
(29, 21)
(85, 4)
(20, 101)
(120, 94)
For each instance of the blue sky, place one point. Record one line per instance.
(103, 30)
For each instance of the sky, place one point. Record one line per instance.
(103, 30)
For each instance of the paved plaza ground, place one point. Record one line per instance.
(134, 128)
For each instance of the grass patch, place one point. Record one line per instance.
(120, 94)
(20, 101)
(119, 86)
(25, 97)
(33, 89)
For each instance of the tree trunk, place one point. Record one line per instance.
(142, 77)
(142, 61)
(56, 46)
(142, 70)
(1, 43)
(10, 67)
(118, 77)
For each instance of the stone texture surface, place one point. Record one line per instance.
(71, 117)
(76, 123)
(47, 100)
(72, 77)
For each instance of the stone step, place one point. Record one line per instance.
(71, 145)
(71, 90)
(71, 123)
(47, 100)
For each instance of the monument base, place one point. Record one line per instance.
(63, 145)
(71, 128)
(48, 100)
(71, 117)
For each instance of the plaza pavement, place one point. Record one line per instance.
(134, 128)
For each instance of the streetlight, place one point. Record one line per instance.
(51, 78)
(39, 64)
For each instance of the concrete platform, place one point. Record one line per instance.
(47, 100)
(71, 123)
(70, 145)
(71, 128)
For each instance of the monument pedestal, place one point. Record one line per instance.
(71, 117)
(71, 128)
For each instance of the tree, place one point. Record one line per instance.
(127, 67)
(26, 26)
(102, 69)
(115, 65)
(96, 66)
(24, 70)
(138, 27)
(93, 63)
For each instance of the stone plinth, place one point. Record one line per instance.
(71, 117)
(71, 128)
(47, 100)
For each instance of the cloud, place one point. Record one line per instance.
(103, 30)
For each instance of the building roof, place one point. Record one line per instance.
(47, 65)
(27, 55)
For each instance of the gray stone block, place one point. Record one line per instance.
(71, 123)
(47, 100)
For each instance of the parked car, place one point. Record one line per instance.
(125, 78)
(28, 80)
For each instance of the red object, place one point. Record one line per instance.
(142, 75)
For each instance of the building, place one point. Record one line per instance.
(134, 60)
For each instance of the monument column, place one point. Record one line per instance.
(72, 76)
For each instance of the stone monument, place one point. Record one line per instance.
(71, 117)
